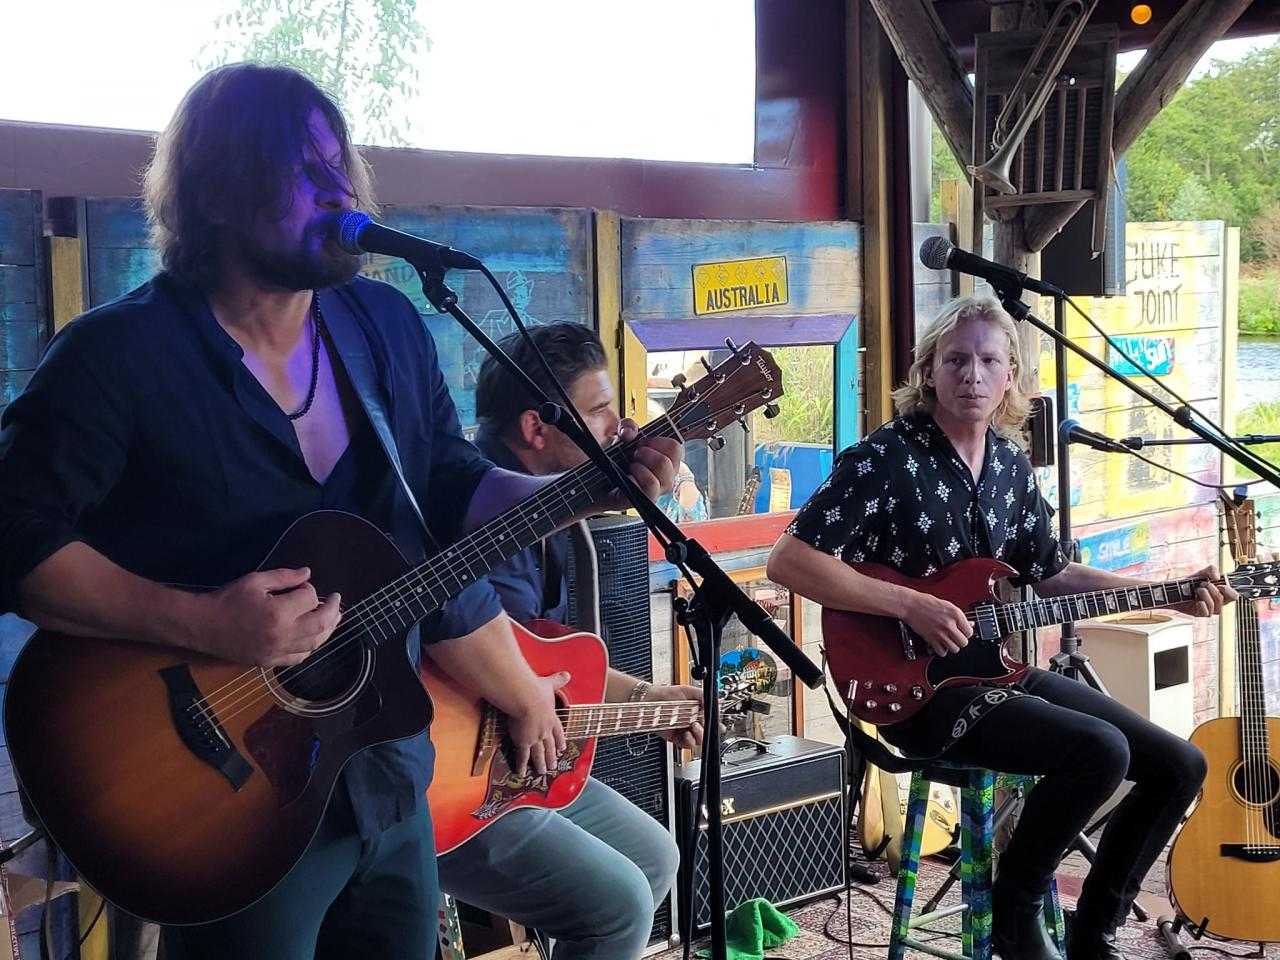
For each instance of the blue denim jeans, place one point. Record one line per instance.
(590, 876)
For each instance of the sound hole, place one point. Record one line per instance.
(329, 673)
(1257, 782)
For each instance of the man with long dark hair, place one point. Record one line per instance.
(171, 436)
(947, 480)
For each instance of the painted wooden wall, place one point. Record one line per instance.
(542, 256)
(1129, 515)
(23, 329)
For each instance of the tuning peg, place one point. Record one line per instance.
(703, 361)
(716, 443)
(733, 347)
(771, 410)
(743, 424)
(678, 381)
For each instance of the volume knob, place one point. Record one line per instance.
(871, 704)
(917, 692)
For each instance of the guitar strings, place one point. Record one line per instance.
(255, 687)
(424, 574)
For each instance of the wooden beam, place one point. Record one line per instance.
(1144, 93)
(926, 53)
(877, 216)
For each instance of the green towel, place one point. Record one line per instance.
(753, 927)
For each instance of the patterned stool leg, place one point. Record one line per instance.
(909, 866)
(1053, 917)
(976, 839)
(449, 930)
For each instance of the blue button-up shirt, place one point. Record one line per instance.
(144, 435)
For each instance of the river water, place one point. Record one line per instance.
(1257, 371)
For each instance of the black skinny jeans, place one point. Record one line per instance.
(1083, 744)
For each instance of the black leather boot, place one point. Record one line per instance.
(1018, 931)
(1086, 941)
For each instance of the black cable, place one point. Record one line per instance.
(1179, 473)
(102, 904)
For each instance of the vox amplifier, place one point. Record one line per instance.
(783, 814)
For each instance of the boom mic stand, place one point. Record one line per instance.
(715, 596)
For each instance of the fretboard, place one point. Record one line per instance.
(617, 719)
(999, 620)
(1253, 699)
(425, 588)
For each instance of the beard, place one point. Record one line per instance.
(314, 263)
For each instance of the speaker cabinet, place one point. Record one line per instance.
(639, 768)
(783, 816)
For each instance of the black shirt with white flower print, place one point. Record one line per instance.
(904, 498)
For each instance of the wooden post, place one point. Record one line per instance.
(876, 57)
(1010, 243)
(957, 210)
(926, 53)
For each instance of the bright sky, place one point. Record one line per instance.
(663, 79)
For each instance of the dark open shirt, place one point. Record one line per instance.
(904, 498)
(144, 435)
(533, 583)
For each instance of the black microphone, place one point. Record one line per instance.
(356, 232)
(939, 253)
(1070, 431)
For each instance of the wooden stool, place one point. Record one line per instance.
(521, 947)
(977, 805)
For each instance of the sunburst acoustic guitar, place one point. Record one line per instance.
(183, 787)
(1224, 866)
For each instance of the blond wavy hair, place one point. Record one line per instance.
(917, 395)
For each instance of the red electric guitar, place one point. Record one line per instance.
(183, 787)
(886, 673)
(473, 784)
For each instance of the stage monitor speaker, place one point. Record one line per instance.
(639, 768)
(783, 816)
(1068, 259)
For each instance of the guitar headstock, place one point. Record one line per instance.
(736, 689)
(740, 383)
(1255, 580)
(1240, 519)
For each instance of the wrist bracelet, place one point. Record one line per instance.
(638, 691)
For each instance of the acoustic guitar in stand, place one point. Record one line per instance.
(1224, 867)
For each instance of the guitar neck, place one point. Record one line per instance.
(1025, 615)
(1253, 699)
(621, 719)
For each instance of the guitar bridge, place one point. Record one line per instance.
(490, 740)
(1251, 852)
(200, 730)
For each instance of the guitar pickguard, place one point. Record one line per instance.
(286, 749)
(505, 786)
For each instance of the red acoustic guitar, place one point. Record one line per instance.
(473, 784)
(183, 787)
(886, 673)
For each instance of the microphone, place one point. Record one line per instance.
(939, 253)
(1070, 431)
(356, 232)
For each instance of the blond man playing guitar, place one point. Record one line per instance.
(946, 481)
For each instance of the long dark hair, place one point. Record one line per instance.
(232, 151)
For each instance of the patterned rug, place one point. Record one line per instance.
(822, 921)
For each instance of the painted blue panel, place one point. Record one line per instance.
(543, 257)
(17, 284)
(114, 271)
(808, 463)
(1155, 354)
(1117, 549)
(19, 220)
(21, 343)
(846, 390)
(14, 633)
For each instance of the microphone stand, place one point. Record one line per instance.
(715, 597)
